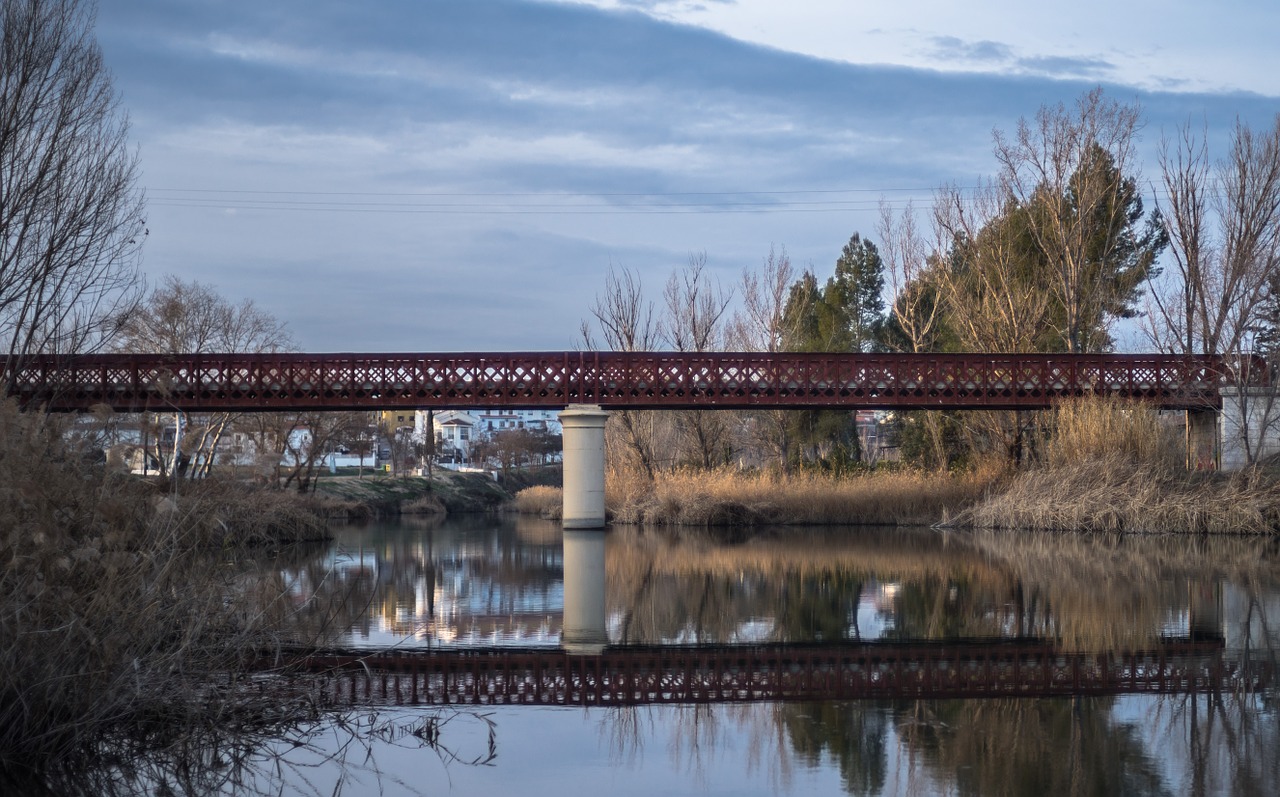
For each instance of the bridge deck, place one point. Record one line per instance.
(652, 380)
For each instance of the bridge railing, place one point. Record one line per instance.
(729, 380)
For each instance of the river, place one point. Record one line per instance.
(861, 661)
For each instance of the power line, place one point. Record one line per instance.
(796, 201)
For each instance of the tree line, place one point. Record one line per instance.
(1048, 254)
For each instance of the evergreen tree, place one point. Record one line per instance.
(855, 294)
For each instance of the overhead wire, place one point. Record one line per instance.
(797, 201)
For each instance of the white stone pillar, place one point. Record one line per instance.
(1252, 414)
(582, 427)
(584, 629)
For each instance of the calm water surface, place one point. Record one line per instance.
(524, 586)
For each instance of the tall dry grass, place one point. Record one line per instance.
(541, 500)
(1108, 428)
(121, 617)
(1113, 466)
(728, 497)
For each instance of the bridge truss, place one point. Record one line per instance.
(652, 380)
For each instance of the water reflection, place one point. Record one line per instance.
(520, 584)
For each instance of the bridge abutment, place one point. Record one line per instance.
(1249, 426)
(582, 427)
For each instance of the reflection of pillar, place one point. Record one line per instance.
(584, 626)
(1205, 610)
(583, 429)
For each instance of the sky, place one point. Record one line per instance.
(435, 175)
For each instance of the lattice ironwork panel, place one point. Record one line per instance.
(657, 380)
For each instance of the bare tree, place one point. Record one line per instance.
(695, 305)
(625, 320)
(71, 216)
(917, 275)
(190, 317)
(1224, 229)
(305, 444)
(916, 309)
(1223, 221)
(624, 317)
(1068, 174)
(762, 324)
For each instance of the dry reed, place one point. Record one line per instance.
(1110, 428)
(1104, 495)
(1112, 466)
(543, 501)
(717, 498)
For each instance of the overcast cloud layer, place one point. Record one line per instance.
(421, 176)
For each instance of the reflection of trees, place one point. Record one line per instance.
(798, 586)
(1223, 743)
(1099, 592)
(854, 736)
(1018, 747)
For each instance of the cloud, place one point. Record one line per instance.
(950, 48)
(471, 169)
(990, 55)
(1067, 66)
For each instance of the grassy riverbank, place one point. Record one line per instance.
(125, 622)
(1107, 465)
(373, 496)
(721, 498)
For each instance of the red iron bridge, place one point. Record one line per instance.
(640, 676)
(617, 380)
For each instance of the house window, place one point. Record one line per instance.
(464, 433)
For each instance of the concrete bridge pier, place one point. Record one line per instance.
(583, 437)
(1202, 439)
(584, 632)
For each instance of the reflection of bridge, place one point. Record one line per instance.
(638, 676)
(613, 380)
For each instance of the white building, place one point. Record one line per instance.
(454, 430)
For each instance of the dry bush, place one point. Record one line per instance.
(121, 612)
(543, 501)
(726, 497)
(426, 505)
